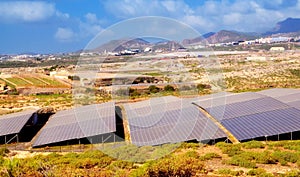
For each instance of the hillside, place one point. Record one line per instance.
(229, 36)
(252, 158)
(288, 25)
(122, 44)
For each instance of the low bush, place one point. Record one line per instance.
(285, 156)
(240, 161)
(293, 173)
(4, 151)
(189, 145)
(259, 172)
(230, 149)
(210, 156)
(180, 165)
(226, 171)
(253, 145)
(192, 154)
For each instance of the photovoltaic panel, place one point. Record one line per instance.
(246, 108)
(13, 123)
(264, 124)
(289, 98)
(295, 104)
(84, 121)
(278, 92)
(168, 120)
(225, 99)
(250, 115)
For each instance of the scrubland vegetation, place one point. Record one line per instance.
(252, 158)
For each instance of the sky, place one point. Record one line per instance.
(68, 25)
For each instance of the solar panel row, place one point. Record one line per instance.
(250, 115)
(176, 121)
(264, 124)
(171, 119)
(13, 123)
(81, 122)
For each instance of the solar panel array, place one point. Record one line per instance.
(168, 120)
(289, 96)
(250, 115)
(278, 92)
(85, 121)
(13, 123)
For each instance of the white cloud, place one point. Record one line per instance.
(126, 9)
(65, 35)
(28, 11)
(252, 15)
(232, 19)
(90, 26)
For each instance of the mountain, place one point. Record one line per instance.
(122, 44)
(288, 25)
(224, 36)
(167, 45)
(197, 39)
(207, 35)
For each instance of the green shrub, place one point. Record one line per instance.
(259, 172)
(293, 173)
(192, 154)
(256, 172)
(240, 161)
(282, 156)
(230, 149)
(120, 164)
(210, 156)
(169, 88)
(226, 171)
(179, 165)
(189, 145)
(253, 145)
(4, 151)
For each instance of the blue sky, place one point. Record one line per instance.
(66, 26)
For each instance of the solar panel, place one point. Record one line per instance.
(264, 124)
(13, 123)
(295, 104)
(84, 121)
(225, 99)
(246, 108)
(168, 120)
(250, 115)
(277, 92)
(289, 98)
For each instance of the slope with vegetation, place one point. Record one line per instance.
(253, 158)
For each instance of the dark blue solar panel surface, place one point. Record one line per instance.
(264, 124)
(246, 108)
(250, 115)
(168, 121)
(77, 123)
(278, 92)
(295, 104)
(13, 123)
(225, 99)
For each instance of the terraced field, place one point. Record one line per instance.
(38, 81)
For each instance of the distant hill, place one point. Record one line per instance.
(222, 36)
(289, 25)
(122, 44)
(167, 45)
(198, 39)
